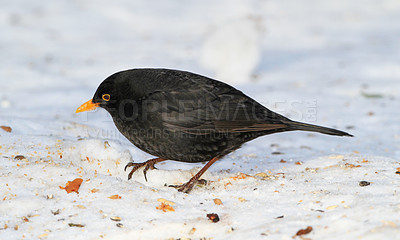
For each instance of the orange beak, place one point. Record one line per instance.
(87, 106)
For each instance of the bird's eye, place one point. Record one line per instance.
(106, 97)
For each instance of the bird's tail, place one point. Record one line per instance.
(314, 128)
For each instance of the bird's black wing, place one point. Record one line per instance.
(201, 107)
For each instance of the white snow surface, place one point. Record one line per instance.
(332, 63)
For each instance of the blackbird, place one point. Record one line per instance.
(186, 117)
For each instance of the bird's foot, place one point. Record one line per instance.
(187, 187)
(149, 164)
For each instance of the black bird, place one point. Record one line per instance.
(186, 117)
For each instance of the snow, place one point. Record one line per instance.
(241, 53)
(332, 63)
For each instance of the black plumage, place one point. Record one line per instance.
(182, 116)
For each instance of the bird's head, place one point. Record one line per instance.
(107, 96)
(117, 94)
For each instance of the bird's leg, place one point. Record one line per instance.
(149, 164)
(187, 187)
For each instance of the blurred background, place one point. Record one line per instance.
(335, 63)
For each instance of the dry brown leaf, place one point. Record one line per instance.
(241, 176)
(43, 235)
(6, 128)
(332, 207)
(217, 201)
(349, 165)
(303, 231)
(115, 197)
(261, 175)
(73, 186)
(227, 184)
(192, 231)
(165, 208)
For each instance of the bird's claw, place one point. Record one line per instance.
(147, 165)
(187, 187)
(135, 166)
(130, 164)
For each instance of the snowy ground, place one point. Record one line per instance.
(334, 63)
